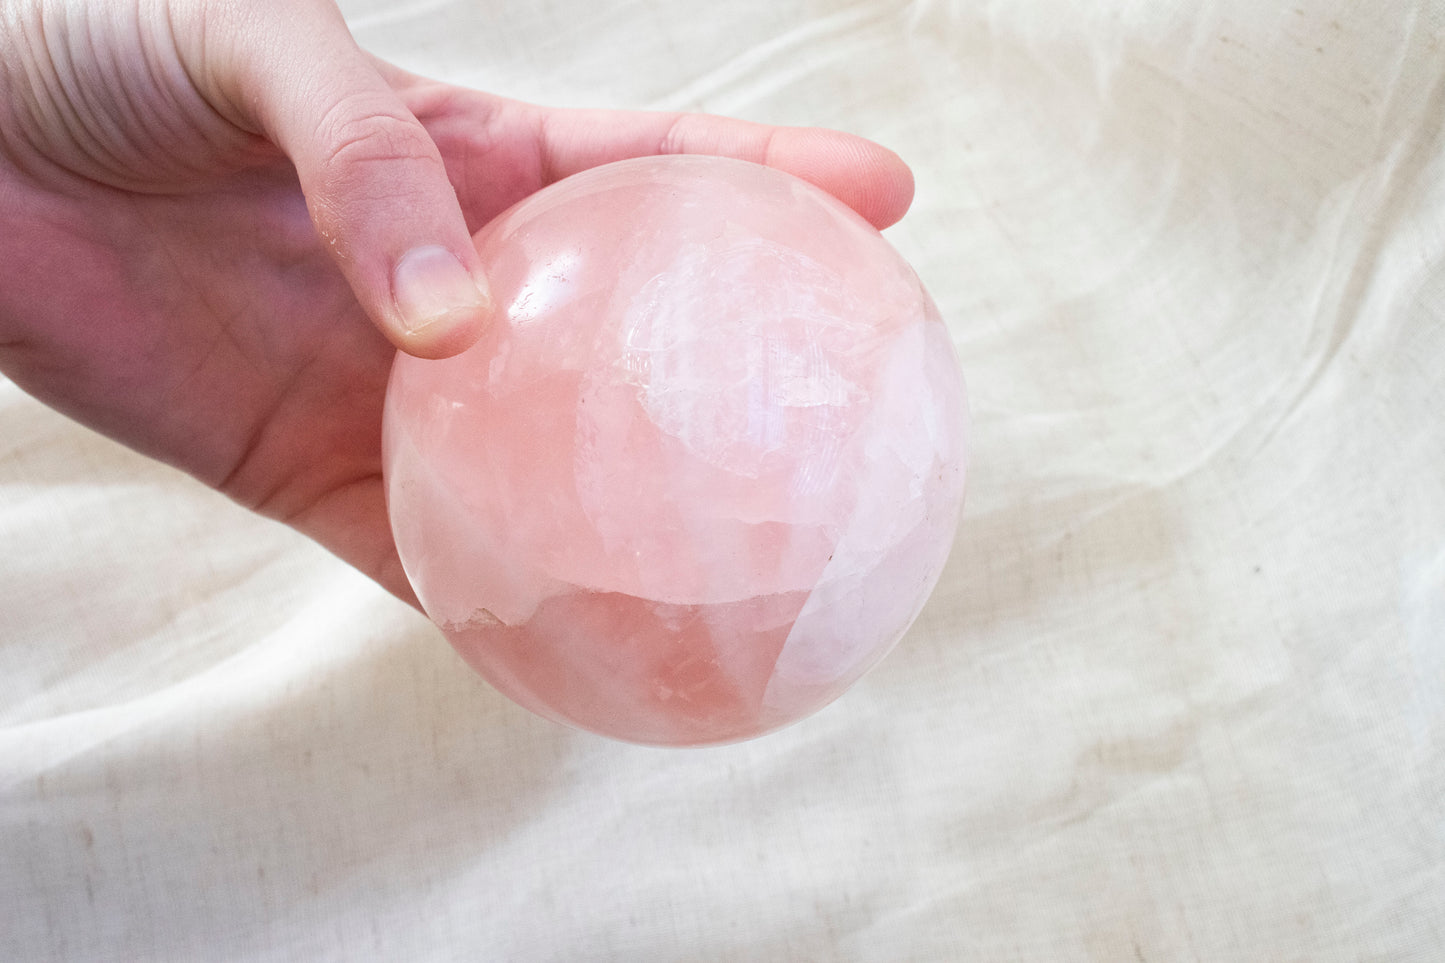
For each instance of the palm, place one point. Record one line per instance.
(219, 337)
(211, 329)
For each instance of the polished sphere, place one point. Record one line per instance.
(704, 468)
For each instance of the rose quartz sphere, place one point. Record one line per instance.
(704, 468)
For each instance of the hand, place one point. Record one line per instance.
(205, 200)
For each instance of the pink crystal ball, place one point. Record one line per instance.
(702, 471)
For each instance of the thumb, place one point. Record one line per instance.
(374, 181)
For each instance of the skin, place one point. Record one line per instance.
(205, 204)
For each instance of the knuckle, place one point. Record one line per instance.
(675, 137)
(361, 134)
(371, 162)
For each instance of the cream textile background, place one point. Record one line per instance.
(1180, 694)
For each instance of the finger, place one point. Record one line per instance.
(866, 176)
(374, 180)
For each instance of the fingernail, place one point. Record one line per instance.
(431, 286)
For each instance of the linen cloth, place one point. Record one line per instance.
(1179, 695)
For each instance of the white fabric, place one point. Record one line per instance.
(1179, 696)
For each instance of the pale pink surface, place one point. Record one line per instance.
(704, 470)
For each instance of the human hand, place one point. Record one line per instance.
(205, 200)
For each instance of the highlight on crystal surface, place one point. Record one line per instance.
(703, 470)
